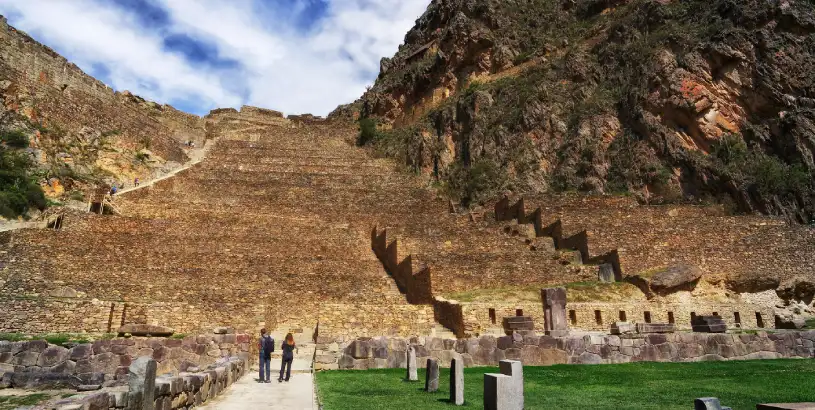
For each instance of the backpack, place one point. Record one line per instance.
(268, 346)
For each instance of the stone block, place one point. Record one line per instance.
(43, 380)
(26, 358)
(145, 330)
(141, 384)
(515, 370)
(656, 328)
(431, 383)
(708, 403)
(457, 381)
(499, 393)
(708, 324)
(79, 352)
(622, 328)
(412, 373)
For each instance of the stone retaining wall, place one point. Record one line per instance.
(185, 391)
(37, 315)
(532, 350)
(599, 316)
(108, 360)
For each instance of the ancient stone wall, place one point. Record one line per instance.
(141, 386)
(107, 360)
(479, 317)
(636, 238)
(532, 350)
(41, 315)
(45, 87)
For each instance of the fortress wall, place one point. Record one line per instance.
(42, 85)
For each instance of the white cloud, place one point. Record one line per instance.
(281, 66)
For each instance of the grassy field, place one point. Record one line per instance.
(739, 384)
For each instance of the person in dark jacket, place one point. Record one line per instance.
(266, 347)
(288, 348)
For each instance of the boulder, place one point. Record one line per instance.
(674, 278)
(136, 329)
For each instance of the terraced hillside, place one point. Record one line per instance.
(273, 227)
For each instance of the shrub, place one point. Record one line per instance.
(16, 139)
(367, 131)
(18, 189)
(142, 157)
(483, 179)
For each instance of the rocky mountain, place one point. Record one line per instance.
(670, 101)
(62, 132)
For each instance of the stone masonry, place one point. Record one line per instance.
(535, 350)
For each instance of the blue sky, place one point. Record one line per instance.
(295, 56)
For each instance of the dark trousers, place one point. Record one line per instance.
(285, 365)
(267, 365)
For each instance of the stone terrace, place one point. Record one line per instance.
(277, 216)
(748, 251)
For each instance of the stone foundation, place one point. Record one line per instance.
(533, 350)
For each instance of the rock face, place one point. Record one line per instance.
(680, 277)
(590, 102)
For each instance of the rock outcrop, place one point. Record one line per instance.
(669, 100)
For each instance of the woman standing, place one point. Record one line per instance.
(288, 348)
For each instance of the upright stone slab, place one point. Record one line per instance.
(605, 273)
(412, 374)
(515, 370)
(457, 380)
(142, 384)
(499, 393)
(554, 312)
(431, 382)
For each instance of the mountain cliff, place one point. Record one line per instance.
(670, 101)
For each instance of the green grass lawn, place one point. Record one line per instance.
(739, 384)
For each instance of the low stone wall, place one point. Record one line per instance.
(185, 391)
(532, 350)
(107, 361)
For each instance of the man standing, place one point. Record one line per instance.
(266, 347)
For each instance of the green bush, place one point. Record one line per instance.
(367, 131)
(19, 190)
(753, 168)
(16, 139)
(483, 179)
(142, 157)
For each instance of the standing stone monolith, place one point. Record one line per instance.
(431, 382)
(498, 392)
(515, 370)
(141, 384)
(457, 380)
(554, 312)
(412, 374)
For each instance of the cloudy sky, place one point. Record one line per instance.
(296, 56)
